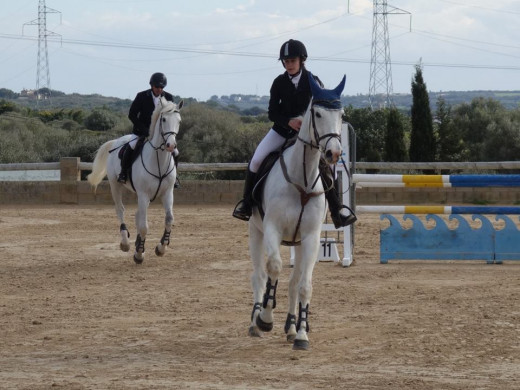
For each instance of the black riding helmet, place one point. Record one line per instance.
(293, 49)
(158, 80)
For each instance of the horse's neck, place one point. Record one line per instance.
(157, 154)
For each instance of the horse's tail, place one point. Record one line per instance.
(99, 167)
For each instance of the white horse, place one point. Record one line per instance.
(153, 175)
(294, 204)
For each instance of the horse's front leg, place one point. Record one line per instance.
(167, 202)
(141, 223)
(290, 322)
(258, 277)
(272, 241)
(309, 254)
(117, 196)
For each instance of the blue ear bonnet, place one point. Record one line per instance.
(328, 98)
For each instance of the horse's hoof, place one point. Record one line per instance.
(300, 345)
(255, 332)
(158, 252)
(291, 337)
(264, 326)
(124, 247)
(137, 260)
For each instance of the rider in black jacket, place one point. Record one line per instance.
(141, 116)
(290, 96)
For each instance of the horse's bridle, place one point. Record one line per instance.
(317, 138)
(163, 135)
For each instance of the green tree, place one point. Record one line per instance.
(370, 127)
(422, 139)
(395, 148)
(101, 119)
(450, 143)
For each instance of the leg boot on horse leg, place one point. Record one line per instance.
(126, 162)
(244, 208)
(332, 195)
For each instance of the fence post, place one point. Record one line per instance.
(70, 176)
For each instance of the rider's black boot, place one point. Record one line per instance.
(335, 208)
(244, 208)
(126, 162)
(333, 198)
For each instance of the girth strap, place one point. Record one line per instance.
(304, 195)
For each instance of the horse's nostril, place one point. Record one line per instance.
(328, 154)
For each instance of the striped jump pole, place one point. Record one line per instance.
(436, 181)
(417, 209)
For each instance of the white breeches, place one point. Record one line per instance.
(269, 143)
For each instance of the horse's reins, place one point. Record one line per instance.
(304, 195)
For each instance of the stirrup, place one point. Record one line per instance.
(122, 179)
(341, 220)
(241, 211)
(177, 183)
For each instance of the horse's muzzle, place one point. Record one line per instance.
(332, 157)
(170, 147)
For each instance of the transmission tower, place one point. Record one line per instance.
(43, 77)
(381, 89)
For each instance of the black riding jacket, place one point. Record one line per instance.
(287, 101)
(141, 111)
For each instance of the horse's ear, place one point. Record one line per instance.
(340, 86)
(315, 87)
(181, 103)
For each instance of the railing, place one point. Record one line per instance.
(383, 166)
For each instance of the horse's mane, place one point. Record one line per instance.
(163, 106)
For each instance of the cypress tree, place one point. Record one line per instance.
(422, 139)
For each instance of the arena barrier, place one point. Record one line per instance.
(442, 242)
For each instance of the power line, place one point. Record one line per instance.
(243, 54)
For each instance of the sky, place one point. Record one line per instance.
(207, 48)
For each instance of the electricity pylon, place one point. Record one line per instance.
(43, 77)
(381, 88)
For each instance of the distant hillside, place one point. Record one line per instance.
(252, 104)
(509, 99)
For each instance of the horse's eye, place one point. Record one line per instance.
(164, 119)
(318, 115)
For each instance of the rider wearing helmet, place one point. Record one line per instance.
(290, 96)
(141, 116)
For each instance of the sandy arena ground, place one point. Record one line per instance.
(77, 313)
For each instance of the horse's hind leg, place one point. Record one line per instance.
(117, 196)
(168, 222)
(258, 277)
